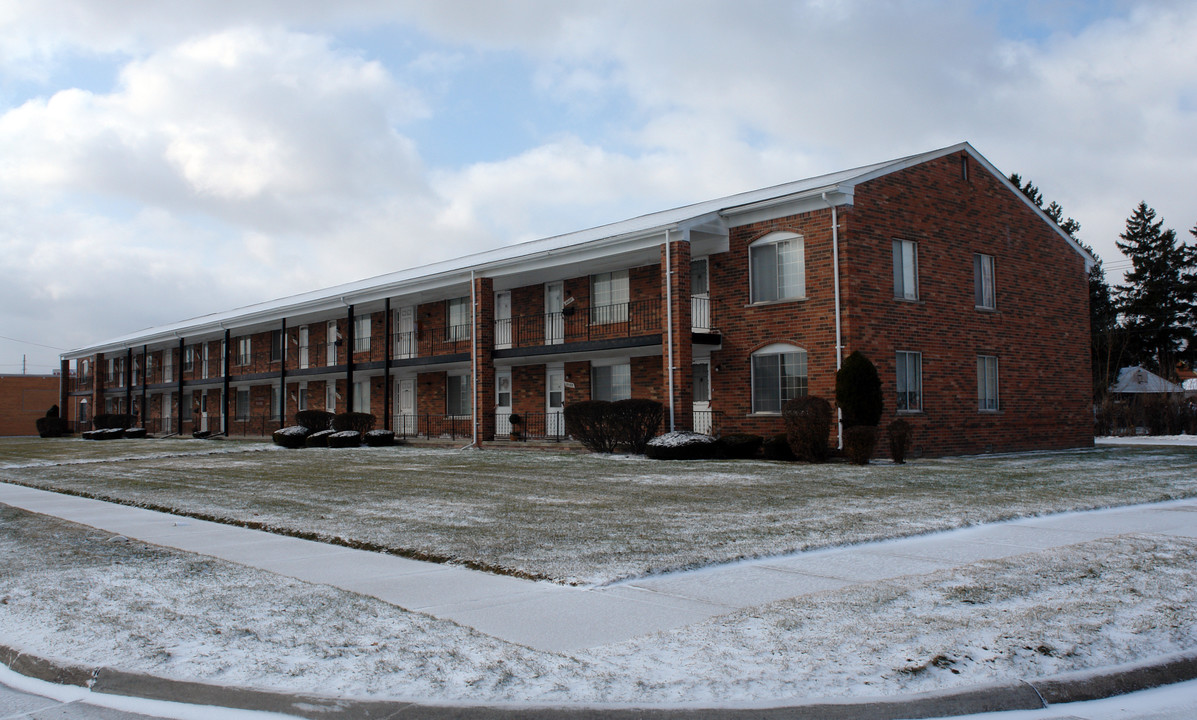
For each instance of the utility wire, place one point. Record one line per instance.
(26, 342)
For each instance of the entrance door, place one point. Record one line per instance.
(701, 386)
(405, 339)
(554, 320)
(204, 406)
(502, 319)
(502, 403)
(554, 401)
(405, 403)
(303, 346)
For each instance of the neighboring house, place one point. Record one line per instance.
(970, 301)
(23, 399)
(1135, 380)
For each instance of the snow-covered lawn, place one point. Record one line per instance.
(76, 593)
(593, 519)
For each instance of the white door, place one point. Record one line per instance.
(303, 346)
(554, 401)
(405, 338)
(502, 319)
(332, 343)
(502, 403)
(405, 403)
(701, 387)
(204, 405)
(554, 321)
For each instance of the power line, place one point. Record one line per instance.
(27, 342)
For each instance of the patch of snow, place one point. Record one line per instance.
(346, 434)
(1150, 440)
(681, 438)
(293, 430)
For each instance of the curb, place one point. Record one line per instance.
(1021, 695)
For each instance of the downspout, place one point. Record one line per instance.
(282, 375)
(839, 340)
(474, 359)
(388, 345)
(669, 324)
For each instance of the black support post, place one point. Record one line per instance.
(145, 380)
(224, 392)
(129, 380)
(349, 340)
(179, 414)
(386, 367)
(284, 350)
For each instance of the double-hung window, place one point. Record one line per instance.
(611, 382)
(276, 402)
(983, 282)
(906, 270)
(276, 345)
(777, 267)
(243, 349)
(987, 383)
(243, 403)
(778, 375)
(361, 396)
(457, 396)
(909, 371)
(609, 297)
(361, 333)
(457, 317)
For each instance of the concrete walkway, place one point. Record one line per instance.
(551, 617)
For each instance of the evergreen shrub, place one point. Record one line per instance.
(380, 438)
(635, 422)
(345, 439)
(318, 438)
(900, 434)
(859, 443)
(858, 391)
(589, 422)
(136, 433)
(104, 421)
(808, 423)
(740, 446)
(293, 436)
(777, 447)
(359, 422)
(314, 420)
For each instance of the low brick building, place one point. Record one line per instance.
(23, 399)
(971, 302)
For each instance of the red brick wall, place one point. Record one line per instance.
(23, 399)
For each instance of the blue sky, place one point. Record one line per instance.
(163, 160)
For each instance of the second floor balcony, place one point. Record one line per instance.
(579, 324)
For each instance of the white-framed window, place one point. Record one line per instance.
(777, 267)
(987, 383)
(909, 371)
(149, 368)
(609, 295)
(242, 403)
(276, 402)
(503, 390)
(243, 351)
(983, 282)
(361, 396)
(611, 382)
(457, 318)
(457, 396)
(778, 375)
(361, 333)
(276, 345)
(136, 371)
(906, 270)
(84, 369)
(189, 358)
(168, 365)
(330, 396)
(301, 396)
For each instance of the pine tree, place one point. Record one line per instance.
(1160, 295)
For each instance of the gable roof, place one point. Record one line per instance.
(639, 232)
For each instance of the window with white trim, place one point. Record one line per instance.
(906, 270)
(777, 267)
(361, 334)
(242, 403)
(611, 382)
(984, 293)
(909, 371)
(276, 402)
(301, 397)
(361, 396)
(330, 396)
(778, 375)
(168, 365)
(276, 345)
(243, 349)
(987, 383)
(609, 295)
(457, 319)
(457, 396)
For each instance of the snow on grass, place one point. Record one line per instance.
(77, 593)
(1184, 440)
(591, 519)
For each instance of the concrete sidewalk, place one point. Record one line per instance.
(551, 617)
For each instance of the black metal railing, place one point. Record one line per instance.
(428, 425)
(573, 324)
(532, 426)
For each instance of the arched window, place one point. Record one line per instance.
(777, 267)
(778, 375)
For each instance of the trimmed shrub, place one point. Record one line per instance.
(345, 439)
(110, 433)
(808, 423)
(137, 433)
(778, 448)
(89, 434)
(858, 391)
(318, 438)
(314, 420)
(900, 433)
(380, 438)
(201, 434)
(52, 426)
(859, 443)
(52, 412)
(359, 422)
(103, 421)
(681, 445)
(635, 421)
(740, 446)
(588, 422)
(292, 436)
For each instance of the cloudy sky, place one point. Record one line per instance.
(161, 160)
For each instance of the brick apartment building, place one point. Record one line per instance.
(970, 301)
(24, 399)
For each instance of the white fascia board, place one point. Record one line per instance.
(814, 199)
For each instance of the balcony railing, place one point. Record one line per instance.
(700, 313)
(602, 322)
(79, 384)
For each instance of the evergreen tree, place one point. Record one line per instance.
(1160, 295)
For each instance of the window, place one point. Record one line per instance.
(276, 345)
(457, 315)
(149, 368)
(84, 369)
(361, 333)
(906, 270)
(609, 297)
(301, 397)
(503, 391)
(243, 348)
(457, 396)
(611, 382)
(361, 396)
(189, 358)
(168, 365)
(330, 396)
(983, 281)
(778, 375)
(243, 403)
(777, 267)
(987, 383)
(910, 381)
(136, 371)
(276, 402)
(701, 378)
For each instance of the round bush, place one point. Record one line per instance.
(135, 433)
(89, 435)
(858, 391)
(808, 423)
(345, 439)
(900, 433)
(680, 445)
(52, 426)
(360, 422)
(859, 443)
(314, 420)
(318, 438)
(294, 436)
(380, 438)
(740, 446)
(110, 433)
(778, 448)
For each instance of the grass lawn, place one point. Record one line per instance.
(589, 519)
